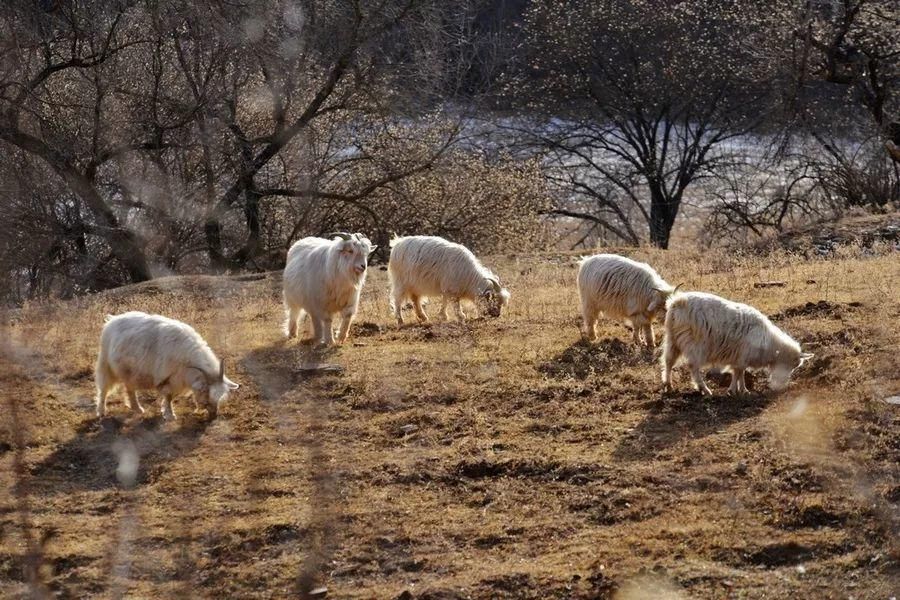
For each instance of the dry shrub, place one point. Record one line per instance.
(431, 185)
(489, 205)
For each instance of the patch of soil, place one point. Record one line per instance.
(782, 554)
(820, 367)
(797, 478)
(822, 308)
(432, 331)
(811, 517)
(63, 564)
(365, 329)
(574, 474)
(489, 541)
(236, 548)
(392, 474)
(582, 359)
(772, 555)
(617, 506)
(514, 585)
(892, 494)
(439, 594)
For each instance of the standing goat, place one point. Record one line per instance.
(424, 266)
(711, 331)
(152, 352)
(624, 290)
(323, 277)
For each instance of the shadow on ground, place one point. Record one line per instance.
(278, 368)
(672, 419)
(90, 459)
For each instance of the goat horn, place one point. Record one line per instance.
(341, 234)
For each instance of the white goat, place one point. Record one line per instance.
(711, 331)
(624, 290)
(323, 277)
(423, 266)
(152, 352)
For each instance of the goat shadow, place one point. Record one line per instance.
(281, 366)
(673, 418)
(89, 461)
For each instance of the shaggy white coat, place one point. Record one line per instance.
(623, 290)
(708, 331)
(423, 266)
(141, 351)
(323, 278)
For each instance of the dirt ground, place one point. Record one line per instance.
(491, 459)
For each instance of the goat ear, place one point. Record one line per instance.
(201, 382)
(231, 385)
(373, 249)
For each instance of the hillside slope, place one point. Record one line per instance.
(496, 458)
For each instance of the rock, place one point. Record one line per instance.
(319, 592)
(408, 429)
(768, 284)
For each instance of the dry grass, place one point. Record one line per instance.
(536, 466)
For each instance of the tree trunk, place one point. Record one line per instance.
(213, 233)
(250, 249)
(663, 211)
(124, 244)
(128, 251)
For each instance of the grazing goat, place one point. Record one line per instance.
(323, 277)
(424, 266)
(711, 331)
(152, 352)
(624, 290)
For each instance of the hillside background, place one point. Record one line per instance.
(142, 139)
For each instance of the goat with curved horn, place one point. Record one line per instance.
(146, 351)
(705, 330)
(323, 278)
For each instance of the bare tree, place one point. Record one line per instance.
(848, 44)
(645, 100)
(183, 133)
(51, 101)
